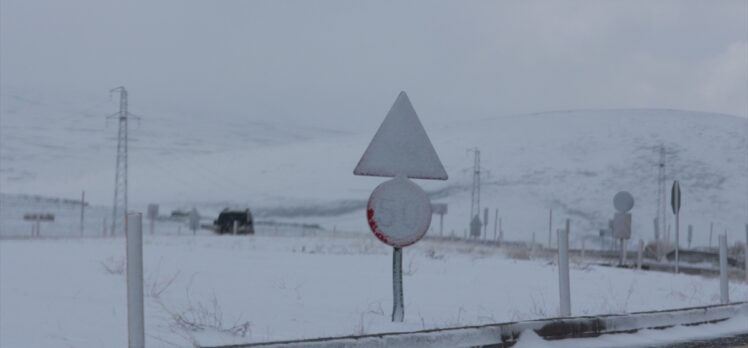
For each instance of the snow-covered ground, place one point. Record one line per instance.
(221, 290)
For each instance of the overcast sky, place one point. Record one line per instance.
(342, 63)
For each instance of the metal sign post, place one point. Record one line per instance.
(623, 202)
(399, 211)
(440, 209)
(675, 202)
(398, 305)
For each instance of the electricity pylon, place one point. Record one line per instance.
(119, 210)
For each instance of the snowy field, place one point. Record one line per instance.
(211, 290)
(56, 145)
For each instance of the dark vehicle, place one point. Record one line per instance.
(243, 218)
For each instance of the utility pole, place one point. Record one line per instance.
(119, 209)
(660, 227)
(475, 193)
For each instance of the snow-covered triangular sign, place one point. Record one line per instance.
(401, 147)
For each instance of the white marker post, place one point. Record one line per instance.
(194, 221)
(563, 271)
(399, 211)
(135, 311)
(724, 287)
(235, 227)
(675, 202)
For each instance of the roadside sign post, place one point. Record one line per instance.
(440, 209)
(399, 211)
(675, 202)
(36, 219)
(623, 202)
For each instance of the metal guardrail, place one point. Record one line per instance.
(506, 334)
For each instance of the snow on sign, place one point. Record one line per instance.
(401, 147)
(399, 212)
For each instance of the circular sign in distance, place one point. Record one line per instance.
(623, 201)
(398, 212)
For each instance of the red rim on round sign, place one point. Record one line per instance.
(398, 212)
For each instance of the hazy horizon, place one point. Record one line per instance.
(339, 65)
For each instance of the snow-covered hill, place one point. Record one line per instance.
(571, 161)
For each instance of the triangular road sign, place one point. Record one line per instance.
(401, 147)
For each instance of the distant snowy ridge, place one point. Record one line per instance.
(573, 161)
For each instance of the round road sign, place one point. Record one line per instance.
(399, 212)
(623, 201)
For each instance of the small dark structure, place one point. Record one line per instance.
(243, 218)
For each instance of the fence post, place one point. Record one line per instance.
(563, 271)
(639, 255)
(745, 253)
(135, 315)
(235, 227)
(83, 209)
(550, 228)
(724, 290)
(501, 232)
